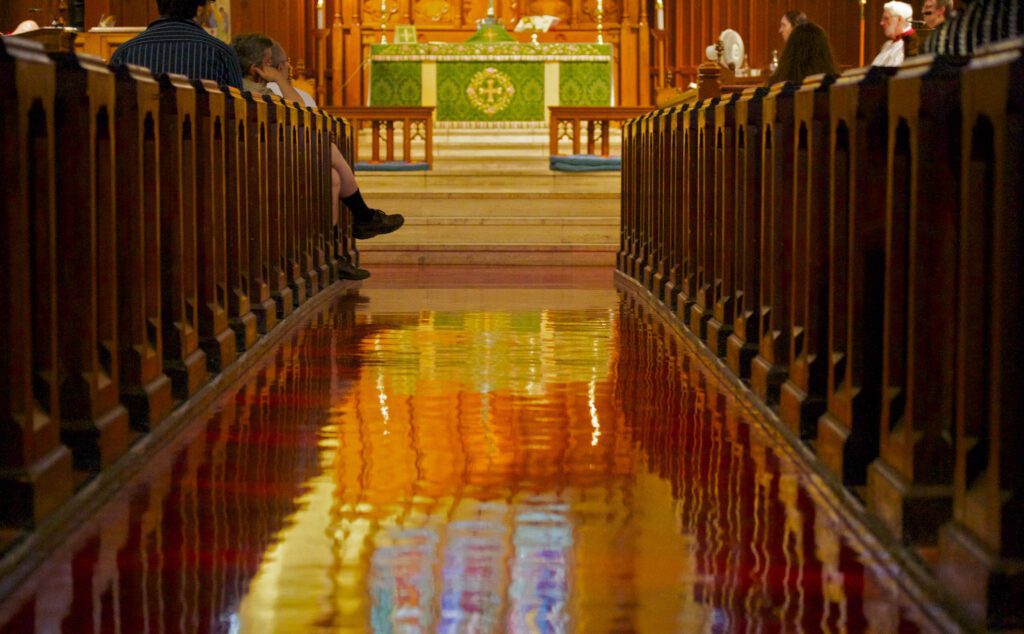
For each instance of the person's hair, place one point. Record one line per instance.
(898, 9)
(808, 52)
(250, 48)
(278, 55)
(795, 17)
(948, 5)
(181, 9)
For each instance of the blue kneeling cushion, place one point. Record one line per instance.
(391, 166)
(586, 163)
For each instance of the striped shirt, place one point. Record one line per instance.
(184, 48)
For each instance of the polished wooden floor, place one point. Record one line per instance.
(467, 450)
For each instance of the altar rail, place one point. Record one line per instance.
(853, 247)
(415, 122)
(153, 229)
(566, 122)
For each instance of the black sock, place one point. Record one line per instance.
(358, 207)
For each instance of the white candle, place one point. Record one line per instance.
(660, 19)
(600, 7)
(320, 14)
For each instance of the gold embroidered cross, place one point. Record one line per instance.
(490, 91)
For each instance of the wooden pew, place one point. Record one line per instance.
(741, 346)
(725, 239)
(706, 221)
(771, 365)
(673, 161)
(292, 187)
(981, 554)
(277, 279)
(145, 390)
(660, 211)
(306, 185)
(184, 361)
(802, 399)
(686, 214)
(321, 204)
(344, 244)
(94, 423)
(258, 263)
(216, 338)
(35, 468)
(628, 214)
(910, 484)
(848, 431)
(240, 314)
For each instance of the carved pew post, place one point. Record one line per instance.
(848, 431)
(703, 221)
(741, 346)
(671, 162)
(626, 204)
(35, 468)
(910, 485)
(145, 389)
(240, 314)
(771, 365)
(688, 204)
(802, 400)
(277, 280)
(725, 246)
(291, 216)
(344, 246)
(653, 276)
(981, 552)
(216, 338)
(305, 200)
(184, 362)
(94, 423)
(260, 301)
(321, 221)
(644, 203)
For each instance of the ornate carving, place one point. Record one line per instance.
(372, 12)
(557, 8)
(612, 10)
(426, 11)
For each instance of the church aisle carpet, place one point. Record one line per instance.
(466, 450)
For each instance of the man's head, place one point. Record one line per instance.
(279, 58)
(253, 50)
(896, 18)
(180, 9)
(935, 12)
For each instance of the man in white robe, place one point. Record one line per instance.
(896, 24)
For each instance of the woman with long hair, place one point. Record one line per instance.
(807, 52)
(789, 21)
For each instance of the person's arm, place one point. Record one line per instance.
(271, 74)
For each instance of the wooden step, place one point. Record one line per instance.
(426, 230)
(490, 204)
(488, 254)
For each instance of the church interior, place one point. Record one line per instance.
(676, 316)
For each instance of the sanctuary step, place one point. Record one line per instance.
(491, 199)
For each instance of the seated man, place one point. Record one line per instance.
(255, 54)
(175, 43)
(901, 42)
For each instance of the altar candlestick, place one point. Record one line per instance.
(600, 22)
(659, 15)
(319, 14)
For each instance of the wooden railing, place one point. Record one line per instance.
(153, 229)
(853, 248)
(413, 123)
(568, 122)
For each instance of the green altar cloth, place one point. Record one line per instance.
(497, 83)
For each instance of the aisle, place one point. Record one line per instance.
(466, 450)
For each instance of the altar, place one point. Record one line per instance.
(484, 83)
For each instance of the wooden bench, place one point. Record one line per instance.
(155, 227)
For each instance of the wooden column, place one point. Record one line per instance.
(981, 553)
(910, 485)
(184, 362)
(848, 431)
(741, 346)
(240, 314)
(145, 390)
(771, 365)
(725, 238)
(277, 280)
(802, 400)
(94, 422)
(261, 304)
(35, 468)
(216, 338)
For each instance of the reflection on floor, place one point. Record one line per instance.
(469, 452)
